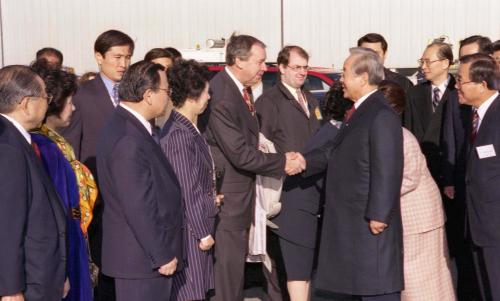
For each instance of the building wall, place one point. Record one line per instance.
(326, 28)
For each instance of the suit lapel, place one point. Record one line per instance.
(425, 105)
(186, 125)
(292, 99)
(356, 119)
(103, 99)
(235, 95)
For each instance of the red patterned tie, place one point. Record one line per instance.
(248, 99)
(349, 113)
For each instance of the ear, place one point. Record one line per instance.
(238, 63)
(99, 58)
(364, 78)
(24, 105)
(147, 96)
(282, 68)
(446, 64)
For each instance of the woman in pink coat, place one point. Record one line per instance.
(426, 262)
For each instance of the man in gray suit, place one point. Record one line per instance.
(232, 132)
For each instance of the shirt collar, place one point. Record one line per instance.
(481, 111)
(362, 99)
(291, 89)
(19, 127)
(143, 120)
(236, 81)
(442, 87)
(109, 84)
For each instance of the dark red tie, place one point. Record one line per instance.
(36, 149)
(349, 113)
(475, 126)
(247, 92)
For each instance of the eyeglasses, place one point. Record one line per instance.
(163, 89)
(298, 68)
(461, 83)
(48, 98)
(428, 62)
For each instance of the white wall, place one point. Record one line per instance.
(73, 25)
(326, 28)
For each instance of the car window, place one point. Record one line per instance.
(313, 83)
(269, 79)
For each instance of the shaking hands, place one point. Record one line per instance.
(295, 163)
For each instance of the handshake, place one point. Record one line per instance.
(295, 163)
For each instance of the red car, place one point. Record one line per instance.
(318, 80)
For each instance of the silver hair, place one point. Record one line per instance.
(367, 60)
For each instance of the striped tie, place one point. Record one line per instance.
(475, 126)
(436, 98)
(116, 98)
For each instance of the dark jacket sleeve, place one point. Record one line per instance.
(131, 172)
(386, 166)
(270, 126)
(13, 212)
(233, 144)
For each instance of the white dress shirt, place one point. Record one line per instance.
(19, 127)
(483, 108)
(143, 120)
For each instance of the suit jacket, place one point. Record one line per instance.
(93, 108)
(284, 122)
(457, 122)
(399, 79)
(426, 125)
(32, 222)
(143, 211)
(483, 182)
(232, 134)
(364, 173)
(189, 155)
(421, 204)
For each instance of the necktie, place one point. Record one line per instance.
(248, 100)
(475, 126)
(116, 99)
(435, 98)
(349, 113)
(36, 149)
(302, 102)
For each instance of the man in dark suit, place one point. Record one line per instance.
(424, 109)
(457, 119)
(143, 211)
(477, 83)
(288, 117)
(232, 132)
(377, 43)
(94, 103)
(32, 218)
(361, 241)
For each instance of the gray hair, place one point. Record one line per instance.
(240, 46)
(16, 83)
(367, 60)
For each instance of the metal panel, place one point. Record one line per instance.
(327, 28)
(72, 26)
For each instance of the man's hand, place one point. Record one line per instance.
(449, 191)
(295, 163)
(16, 297)
(219, 199)
(206, 243)
(377, 227)
(169, 268)
(66, 288)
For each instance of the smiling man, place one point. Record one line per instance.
(232, 134)
(477, 83)
(95, 101)
(289, 116)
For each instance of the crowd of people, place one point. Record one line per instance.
(159, 181)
